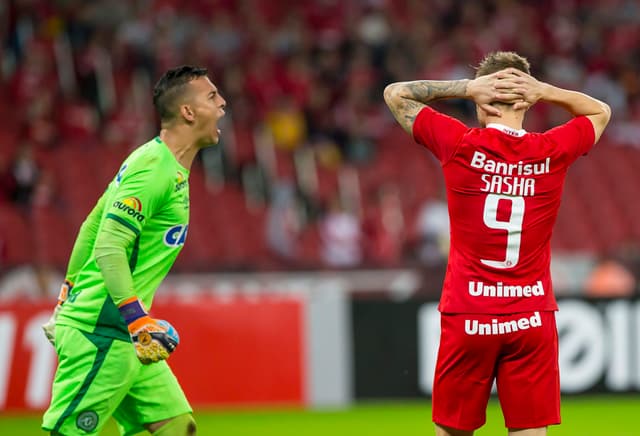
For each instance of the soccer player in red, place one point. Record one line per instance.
(503, 190)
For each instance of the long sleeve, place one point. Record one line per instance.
(111, 256)
(85, 240)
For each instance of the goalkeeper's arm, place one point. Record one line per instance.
(79, 255)
(153, 339)
(82, 248)
(85, 240)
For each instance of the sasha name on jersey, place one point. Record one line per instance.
(509, 178)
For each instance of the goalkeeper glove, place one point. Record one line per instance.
(153, 339)
(50, 326)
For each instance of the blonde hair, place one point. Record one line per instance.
(499, 60)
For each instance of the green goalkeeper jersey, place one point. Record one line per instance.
(149, 197)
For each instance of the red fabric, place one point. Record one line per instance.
(503, 193)
(523, 362)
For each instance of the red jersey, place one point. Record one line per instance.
(503, 190)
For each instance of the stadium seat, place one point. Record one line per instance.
(16, 242)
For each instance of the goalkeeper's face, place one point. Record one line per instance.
(209, 107)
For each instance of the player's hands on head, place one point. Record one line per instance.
(513, 82)
(153, 339)
(510, 86)
(483, 92)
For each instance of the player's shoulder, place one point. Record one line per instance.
(149, 162)
(151, 157)
(571, 127)
(147, 154)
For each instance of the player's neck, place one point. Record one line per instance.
(181, 146)
(512, 120)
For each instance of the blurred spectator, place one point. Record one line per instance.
(31, 283)
(77, 72)
(7, 180)
(610, 278)
(432, 229)
(340, 236)
(78, 122)
(283, 223)
(39, 125)
(35, 73)
(25, 173)
(44, 191)
(383, 228)
(286, 123)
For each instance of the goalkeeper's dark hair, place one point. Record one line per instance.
(170, 86)
(499, 60)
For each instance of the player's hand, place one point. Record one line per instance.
(512, 81)
(483, 91)
(153, 339)
(50, 326)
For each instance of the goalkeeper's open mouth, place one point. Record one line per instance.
(217, 129)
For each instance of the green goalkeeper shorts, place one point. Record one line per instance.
(98, 377)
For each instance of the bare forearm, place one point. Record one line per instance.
(406, 99)
(575, 102)
(426, 91)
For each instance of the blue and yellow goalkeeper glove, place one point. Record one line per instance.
(50, 326)
(153, 339)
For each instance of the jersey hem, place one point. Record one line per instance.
(109, 332)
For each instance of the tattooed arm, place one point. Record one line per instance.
(406, 99)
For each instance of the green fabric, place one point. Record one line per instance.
(85, 240)
(111, 256)
(155, 396)
(141, 230)
(81, 358)
(110, 323)
(98, 377)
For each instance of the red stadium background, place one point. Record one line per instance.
(308, 150)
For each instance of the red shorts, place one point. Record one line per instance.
(519, 351)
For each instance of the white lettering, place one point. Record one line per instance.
(599, 343)
(477, 289)
(535, 320)
(473, 327)
(8, 329)
(523, 324)
(517, 186)
(478, 159)
(505, 178)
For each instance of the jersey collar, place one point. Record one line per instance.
(507, 130)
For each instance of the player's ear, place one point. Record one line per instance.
(187, 113)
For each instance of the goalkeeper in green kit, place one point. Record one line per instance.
(111, 352)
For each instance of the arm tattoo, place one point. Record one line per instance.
(426, 91)
(407, 99)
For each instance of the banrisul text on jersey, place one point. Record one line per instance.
(506, 178)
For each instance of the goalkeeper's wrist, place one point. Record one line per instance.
(65, 288)
(133, 312)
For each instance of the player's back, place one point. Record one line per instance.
(504, 189)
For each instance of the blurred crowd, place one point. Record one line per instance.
(312, 171)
